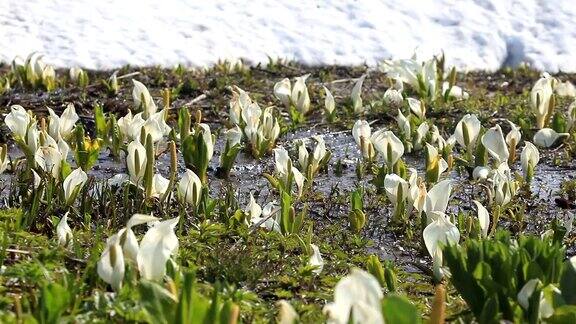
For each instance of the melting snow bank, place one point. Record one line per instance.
(475, 34)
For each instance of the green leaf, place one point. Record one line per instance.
(397, 309)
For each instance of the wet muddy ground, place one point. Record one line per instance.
(329, 198)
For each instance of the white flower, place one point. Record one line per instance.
(128, 239)
(142, 99)
(513, 137)
(75, 73)
(547, 137)
(317, 156)
(233, 136)
(389, 146)
(467, 131)
(253, 210)
(438, 233)
(159, 185)
(396, 189)
(358, 295)
(483, 218)
(393, 98)
(283, 91)
(62, 126)
(541, 95)
(73, 184)
(286, 314)
(63, 231)
(404, 125)
(329, 103)
(49, 159)
(256, 215)
(437, 198)
(18, 121)
(316, 260)
(356, 95)
(493, 141)
(417, 107)
(240, 100)
(435, 164)
(190, 188)
(529, 158)
(455, 92)
(156, 247)
(111, 264)
(282, 163)
(4, 159)
(481, 173)
(208, 140)
(300, 96)
(362, 135)
(136, 162)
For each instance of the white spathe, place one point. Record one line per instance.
(493, 141)
(547, 137)
(359, 294)
(73, 184)
(190, 188)
(158, 244)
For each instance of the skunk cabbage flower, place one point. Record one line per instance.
(529, 158)
(389, 146)
(253, 210)
(356, 96)
(156, 247)
(316, 260)
(286, 314)
(571, 117)
(541, 96)
(62, 126)
(404, 125)
(73, 184)
(240, 100)
(512, 139)
(49, 159)
(159, 185)
(283, 91)
(63, 231)
(493, 141)
(136, 162)
(3, 158)
(435, 164)
(142, 99)
(18, 121)
(310, 163)
(456, 92)
(190, 188)
(504, 185)
(358, 296)
(300, 96)
(417, 107)
(467, 131)
(128, 239)
(421, 133)
(547, 297)
(329, 103)
(393, 98)
(437, 198)
(283, 164)
(547, 137)
(111, 264)
(362, 135)
(396, 188)
(438, 233)
(481, 173)
(255, 214)
(483, 218)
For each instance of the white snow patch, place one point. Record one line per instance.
(474, 34)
